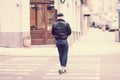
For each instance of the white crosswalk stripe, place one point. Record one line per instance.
(18, 67)
(78, 68)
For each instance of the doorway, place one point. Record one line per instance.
(42, 16)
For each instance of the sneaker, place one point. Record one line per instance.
(61, 71)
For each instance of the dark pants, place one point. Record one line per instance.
(62, 46)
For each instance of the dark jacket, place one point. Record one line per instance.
(61, 29)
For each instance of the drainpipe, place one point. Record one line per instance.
(119, 23)
(117, 32)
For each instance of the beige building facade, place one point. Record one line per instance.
(103, 11)
(71, 10)
(15, 20)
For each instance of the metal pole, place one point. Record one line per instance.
(118, 27)
(118, 23)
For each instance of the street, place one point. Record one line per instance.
(93, 57)
(82, 67)
(28, 34)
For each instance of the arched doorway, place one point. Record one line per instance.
(42, 16)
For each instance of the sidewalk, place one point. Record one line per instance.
(97, 42)
(94, 41)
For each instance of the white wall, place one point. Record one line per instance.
(14, 15)
(14, 22)
(71, 12)
(25, 15)
(9, 15)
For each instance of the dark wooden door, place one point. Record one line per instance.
(42, 17)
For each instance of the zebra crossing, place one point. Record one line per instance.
(79, 68)
(19, 67)
(46, 68)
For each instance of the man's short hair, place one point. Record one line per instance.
(60, 14)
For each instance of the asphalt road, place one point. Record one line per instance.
(82, 67)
